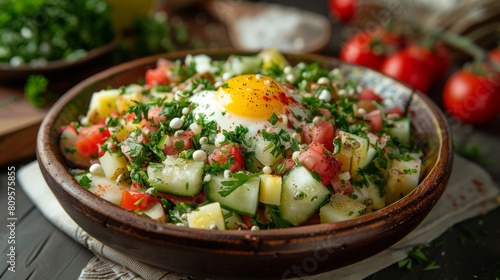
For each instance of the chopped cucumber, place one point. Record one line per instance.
(401, 130)
(301, 195)
(177, 176)
(238, 64)
(243, 200)
(341, 208)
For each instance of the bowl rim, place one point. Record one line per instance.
(431, 183)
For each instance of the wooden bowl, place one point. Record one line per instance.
(268, 253)
(9, 73)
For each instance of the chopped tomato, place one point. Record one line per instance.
(248, 219)
(157, 76)
(89, 139)
(395, 110)
(321, 132)
(177, 144)
(161, 75)
(317, 159)
(132, 200)
(224, 153)
(375, 118)
(341, 187)
(368, 94)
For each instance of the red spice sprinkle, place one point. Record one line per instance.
(479, 185)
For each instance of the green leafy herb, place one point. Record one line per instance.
(276, 217)
(36, 91)
(274, 119)
(85, 182)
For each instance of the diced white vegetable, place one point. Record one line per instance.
(403, 178)
(102, 104)
(238, 65)
(355, 151)
(155, 211)
(113, 164)
(372, 192)
(207, 217)
(104, 187)
(124, 101)
(272, 56)
(341, 208)
(270, 189)
(232, 219)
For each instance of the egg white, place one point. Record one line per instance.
(207, 105)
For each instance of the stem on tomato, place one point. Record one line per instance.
(459, 42)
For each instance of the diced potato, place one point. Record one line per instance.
(272, 56)
(207, 217)
(341, 208)
(355, 152)
(102, 104)
(113, 164)
(124, 101)
(270, 189)
(121, 132)
(403, 178)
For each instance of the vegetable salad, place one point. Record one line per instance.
(247, 143)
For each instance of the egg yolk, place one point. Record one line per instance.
(253, 96)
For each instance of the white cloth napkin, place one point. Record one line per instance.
(469, 185)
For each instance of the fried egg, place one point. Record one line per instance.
(254, 101)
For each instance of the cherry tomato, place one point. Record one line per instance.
(89, 139)
(407, 69)
(471, 97)
(344, 10)
(436, 60)
(361, 49)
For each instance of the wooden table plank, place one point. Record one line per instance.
(42, 250)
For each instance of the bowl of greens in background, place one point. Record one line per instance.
(42, 36)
